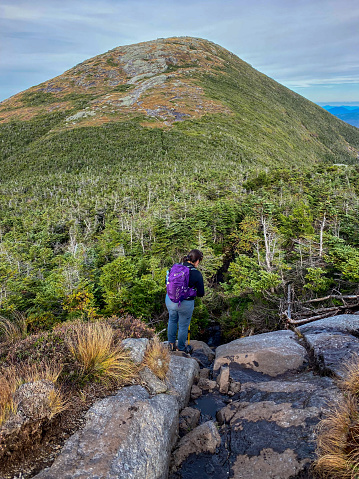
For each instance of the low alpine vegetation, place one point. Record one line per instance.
(7, 403)
(15, 329)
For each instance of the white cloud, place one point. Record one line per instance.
(321, 81)
(299, 43)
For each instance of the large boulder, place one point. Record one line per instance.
(271, 354)
(202, 352)
(129, 435)
(333, 341)
(126, 436)
(182, 372)
(344, 323)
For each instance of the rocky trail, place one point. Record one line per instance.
(270, 393)
(247, 411)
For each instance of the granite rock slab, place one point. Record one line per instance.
(270, 354)
(126, 436)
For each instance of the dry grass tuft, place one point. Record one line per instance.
(99, 358)
(350, 376)
(7, 404)
(28, 373)
(338, 441)
(13, 377)
(11, 331)
(157, 358)
(57, 402)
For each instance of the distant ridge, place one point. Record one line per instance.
(349, 114)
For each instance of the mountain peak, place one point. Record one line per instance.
(194, 88)
(154, 79)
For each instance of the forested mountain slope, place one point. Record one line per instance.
(112, 170)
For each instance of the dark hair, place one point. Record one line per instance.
(193, 256)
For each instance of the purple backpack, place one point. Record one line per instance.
(177, 284)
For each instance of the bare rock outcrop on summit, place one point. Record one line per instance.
(153, 79)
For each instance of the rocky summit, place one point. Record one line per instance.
(154, 79)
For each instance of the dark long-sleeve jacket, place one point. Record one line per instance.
(195, 279)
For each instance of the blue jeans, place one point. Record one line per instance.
(179, 316)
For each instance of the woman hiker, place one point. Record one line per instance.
(184, 283)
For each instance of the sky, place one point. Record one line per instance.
(310, 46)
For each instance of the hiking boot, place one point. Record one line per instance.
(188, 349)
(172, 347)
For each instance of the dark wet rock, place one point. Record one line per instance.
(204, 438)
(204, 466)
(272, 354)
(209, 404)
(240, 373)
(332, 350)
(202, 352)
(275, 421)
(344, 323)
(188, 419)
(305, 390)
(196, 392)
(333, 341)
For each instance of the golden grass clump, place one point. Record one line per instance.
(338, 432)
(11, 331)
(7, 404)
(157, 358)
(350, 376)
(57, 402)
(13, 377)
(99, 358)
(31, 372)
